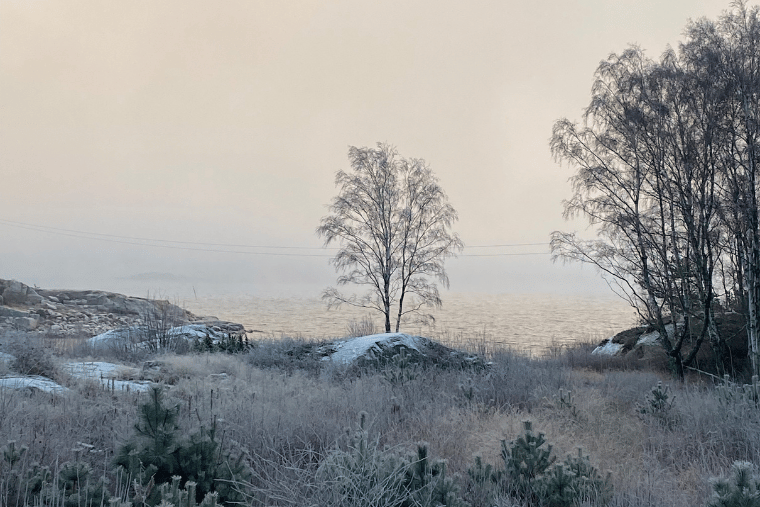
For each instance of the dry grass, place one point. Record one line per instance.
(286, 412)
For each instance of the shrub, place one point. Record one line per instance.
(366, 475)
(72, 484)
(531, 475)
(659, 404)
(525, 461)
(741, 489)
(288, 354)
(30, 356)
(158, 453)
(363, 327)
(230, 344)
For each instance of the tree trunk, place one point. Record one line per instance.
(400, 308)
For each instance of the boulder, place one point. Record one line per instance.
(12, 312)
(32, 298)
(15, 292)
(634, 339)
(146, 337)
(32, 383)
(379, 350)
(26, 323)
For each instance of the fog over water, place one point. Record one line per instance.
(189, 149)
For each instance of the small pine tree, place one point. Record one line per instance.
(158, 454)
(531, 475)
(741, 489)
(427, 483)
(525, 460)
(154, 452)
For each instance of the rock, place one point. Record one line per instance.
(11, 312)
(93, 312)
(32, 384)
(32, 298)
(608, 348)
(15, 292)
(26, 323)
(633, 339)
(378, 350)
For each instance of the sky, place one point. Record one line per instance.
(196, 124)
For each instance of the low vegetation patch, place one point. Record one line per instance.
(275, 424)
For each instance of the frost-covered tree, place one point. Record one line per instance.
(392, 221)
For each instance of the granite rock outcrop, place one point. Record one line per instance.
(87, 313)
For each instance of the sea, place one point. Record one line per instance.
(529, 323)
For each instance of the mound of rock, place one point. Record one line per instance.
(148, 337)
(634, 339)
(379, 350)
(32, 384)
(87, 312)
(645, 343)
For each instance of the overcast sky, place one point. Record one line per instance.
(225, 122)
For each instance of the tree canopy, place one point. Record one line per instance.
(392, 221)
(666, 170)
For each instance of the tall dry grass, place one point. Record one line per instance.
(286, 410)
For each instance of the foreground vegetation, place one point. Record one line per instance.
(277, 427)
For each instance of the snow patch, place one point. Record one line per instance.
(608, 348)
(106, 375)
(32, 383)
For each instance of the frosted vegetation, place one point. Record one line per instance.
(277, 425)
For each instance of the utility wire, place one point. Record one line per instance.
(49, 228)
(170, 244)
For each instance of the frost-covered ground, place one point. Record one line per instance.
(108, 375)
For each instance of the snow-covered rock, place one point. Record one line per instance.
(631, 339)
(143, 336)
(108, 375)
(118, 338)
(379, 349)
(371, 346)
(32, 383)
(608, 348)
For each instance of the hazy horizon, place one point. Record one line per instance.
(213, 128)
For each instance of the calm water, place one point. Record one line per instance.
(530, 322)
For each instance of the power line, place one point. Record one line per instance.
(172, 244)
(135, 238)
(112, 240)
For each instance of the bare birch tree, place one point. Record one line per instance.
(667, 173)
(392, 221)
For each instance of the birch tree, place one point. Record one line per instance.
(392, 222)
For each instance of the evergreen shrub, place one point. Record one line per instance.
(531, 475)
(158, 453)
(740, 489)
